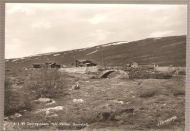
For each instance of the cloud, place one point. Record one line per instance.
(160, 33)
(19, 9)
(14, 46)
(100, 35)
(97, 19)
(42, 24)
(42, 28)
(49, 49)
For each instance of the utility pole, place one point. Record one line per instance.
(102, 57)
(75, 60)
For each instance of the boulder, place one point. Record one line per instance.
(17, 115)
(52, 102)
(106, 116)
(78, 100)
(117, 102)
(76, 86)
(105, 73)
(120, 74)
(50, 109)
(43, 100)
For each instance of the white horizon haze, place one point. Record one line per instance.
(32, 29)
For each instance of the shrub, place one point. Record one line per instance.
(45, 83)
(15, 100)
(148, 93)
(179, 92)
(141, 73)
(163, 75)
(182, 72)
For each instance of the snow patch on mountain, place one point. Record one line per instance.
(56, 54)
(114, 43)
(92, 52)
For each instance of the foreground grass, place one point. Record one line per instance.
(21, 91)
(152, 101)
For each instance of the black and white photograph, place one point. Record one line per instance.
(88, 67)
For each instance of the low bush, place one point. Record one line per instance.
(179, 92)
(140, 73)
(163, 75)
(145, 93)
(182, 72)
(45, 83)
(15, 99)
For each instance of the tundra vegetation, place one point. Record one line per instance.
(127, 99)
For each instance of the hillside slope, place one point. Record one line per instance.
(163, 51)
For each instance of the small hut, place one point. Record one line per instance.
(84, 63)
(37, 65)
(47, 65)
(55, 65)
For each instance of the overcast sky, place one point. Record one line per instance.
(40, 28)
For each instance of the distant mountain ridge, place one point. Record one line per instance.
(162, 51)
